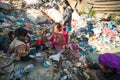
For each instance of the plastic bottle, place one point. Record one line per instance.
(29, 67)
(24, 70)
(38, 57)
(47, 64)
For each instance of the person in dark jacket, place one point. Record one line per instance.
(67, 14)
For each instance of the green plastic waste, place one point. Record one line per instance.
(93, 58)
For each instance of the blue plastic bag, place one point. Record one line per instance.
(47, 64)
(68, 28)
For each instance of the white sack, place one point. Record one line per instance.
(54, 14)
(31, 2)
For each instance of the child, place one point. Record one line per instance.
(18, 45)
(58, 38)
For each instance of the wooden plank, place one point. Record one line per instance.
(117, 8)
(47, 15)
(110, 2)
(109, 12)
(107, 6)
(104, 6)
(106, 0)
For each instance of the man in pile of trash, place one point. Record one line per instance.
(107, 67)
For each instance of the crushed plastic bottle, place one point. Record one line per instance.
(47, 64)
(23, 71)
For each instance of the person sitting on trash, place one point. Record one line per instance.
(109, 66)
(58, 39)
(18, 45)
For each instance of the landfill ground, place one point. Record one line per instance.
(40, 72)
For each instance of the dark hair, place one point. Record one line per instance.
(66, 2)
(21, 32)
(80, 1)
(58, 25)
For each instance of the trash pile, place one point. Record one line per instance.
(88, 35)
(99, 33)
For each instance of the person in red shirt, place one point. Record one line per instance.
(58, 38)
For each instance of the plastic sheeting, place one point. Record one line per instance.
(31, 2)
(35, 16)
(54, 14)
